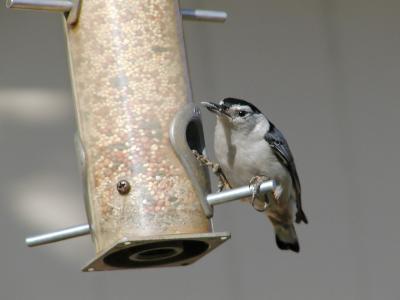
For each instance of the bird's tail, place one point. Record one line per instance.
(286, 237)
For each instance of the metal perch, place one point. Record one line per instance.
(65, 6)
(212, 199)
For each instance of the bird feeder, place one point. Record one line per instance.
(146, 195)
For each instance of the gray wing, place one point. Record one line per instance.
(281, 149)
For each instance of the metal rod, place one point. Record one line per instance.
(48, 5)
(212, 199)
(235, 194)
(58, 235)
(204, 15)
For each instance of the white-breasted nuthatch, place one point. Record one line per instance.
(250, 149)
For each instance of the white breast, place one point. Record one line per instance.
(243, 156)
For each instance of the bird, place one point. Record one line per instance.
(250, 149)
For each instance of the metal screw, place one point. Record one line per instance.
(123, 187)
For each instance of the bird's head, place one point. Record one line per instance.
(236, 113)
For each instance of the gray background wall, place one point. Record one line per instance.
(327, 72)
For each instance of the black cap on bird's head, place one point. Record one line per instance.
(230, 102)
(230, 106)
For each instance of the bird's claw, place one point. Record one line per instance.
(215, 168)
(255, 184)
(264, 208)
(220, 186)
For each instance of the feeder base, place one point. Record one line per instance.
(157, 251)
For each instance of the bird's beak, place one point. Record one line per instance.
(213, 107)
(216, 108)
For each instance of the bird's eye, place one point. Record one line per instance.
(242, 113)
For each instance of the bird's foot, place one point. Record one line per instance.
(215, 168)
(255, 184)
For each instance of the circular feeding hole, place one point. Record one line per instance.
(156, 254)
(153, 254)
